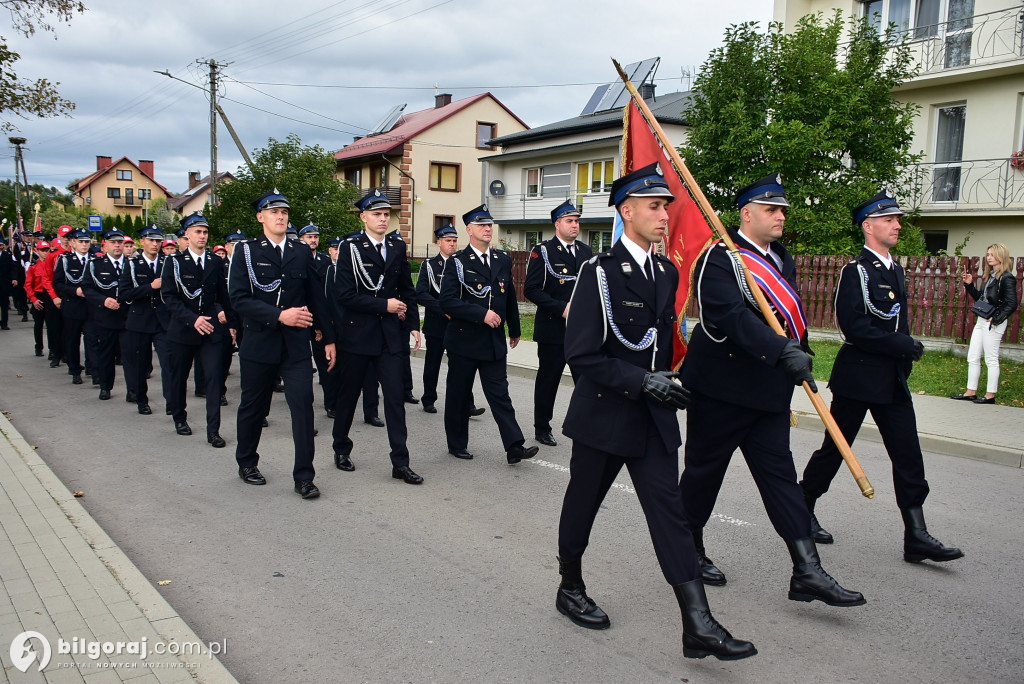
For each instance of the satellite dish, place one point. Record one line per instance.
(497, 188)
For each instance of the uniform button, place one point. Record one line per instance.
(730, 356)
(599, 395)
(764, 358)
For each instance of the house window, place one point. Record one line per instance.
(936, 242)
(595, 177)
(378, 175)
(949, 149)
(145, 194)
(533, 238)
(444, 177)
(534, 182)
(354, 177)
(485, 132)
(924, 17)
(115, 193)
(600, 240)
(128, 196)
(125, 174)
(440, 221)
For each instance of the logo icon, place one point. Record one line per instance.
(23, 654)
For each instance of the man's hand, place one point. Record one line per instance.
(330, 355)
(318, 335)
(155, 284)
(234, 336)
(111, 304)
(79, 292)
(658, 386)
(57, 302)
(416, 336)
(396, 306)
(919, 349)
(222, 317)
(296, 317)
(203, 325)
(513, 342)
(37, 305)
(565, 311)
(492, 319)
(797, 364)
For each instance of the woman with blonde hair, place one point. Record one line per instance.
(999, 292)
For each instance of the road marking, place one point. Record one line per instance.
(629, 490)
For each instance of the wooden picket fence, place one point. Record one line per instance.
(939, 305)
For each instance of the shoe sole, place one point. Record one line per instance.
(701, 653)
(807, 598)
(311, 495)
(714, 583)
(917, 558)
(577, 621)
(822, 540)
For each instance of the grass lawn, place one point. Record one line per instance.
(938, 373)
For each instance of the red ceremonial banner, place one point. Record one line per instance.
(688, 232)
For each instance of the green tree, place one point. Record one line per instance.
(21, 97)
(818, 111)
(166, 219)
(137, 225)
(305, 175)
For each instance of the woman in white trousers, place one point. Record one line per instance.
(999, 288)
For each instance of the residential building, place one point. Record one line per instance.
(119, 187)
(970, 87)
(428, 163)
(197, 196)
(575, 159)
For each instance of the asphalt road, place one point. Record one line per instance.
(454, 581)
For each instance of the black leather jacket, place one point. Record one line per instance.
(1001, 292)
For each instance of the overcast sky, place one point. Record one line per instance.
(105, 61)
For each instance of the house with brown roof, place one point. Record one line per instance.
(197, 196)
(429, 164)
(119, 187)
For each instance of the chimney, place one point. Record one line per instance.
(442, 100)
(103, 162)
(193, 179)
(146, 166)
(647, 90)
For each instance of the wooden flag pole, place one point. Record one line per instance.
(716, 222)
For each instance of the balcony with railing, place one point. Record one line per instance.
(393, 193)
(538, 207)
(990, 185)
(979, 40)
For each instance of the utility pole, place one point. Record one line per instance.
(214, 66)
(19, 165)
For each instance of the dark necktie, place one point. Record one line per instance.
(380, 251)
(117, 269)
(483, 257)
(650, 267)
(572, 250)
(199, 262)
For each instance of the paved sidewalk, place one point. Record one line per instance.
(955, 428)
(63, 577)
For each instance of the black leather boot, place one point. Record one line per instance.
(709, 574)
(819, 534)
(918, 545)
(702, 635)
(572, 600)
(810, 581)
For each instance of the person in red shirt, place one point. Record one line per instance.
(51, 301)
(34, 292)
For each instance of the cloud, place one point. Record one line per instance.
(105, 61)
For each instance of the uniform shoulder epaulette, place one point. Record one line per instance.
(395, 233)
(663, 258)
(351, 237)
(497, 251)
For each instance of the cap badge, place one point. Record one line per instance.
(657, 168)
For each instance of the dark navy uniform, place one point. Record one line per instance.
(262, 285)
(189, 293)
(435, 323)
(469, 289)
(145, 327)
(328, 380)
(870, 374)
(68, 274)
(371, 338)
(731, 367)
(611, 422)
(550, 279)
(102, 282)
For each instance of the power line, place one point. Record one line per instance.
(523, 86)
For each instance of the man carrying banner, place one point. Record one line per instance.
(742, 376)
(870, 374)
(623, 413)
(550, 279)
